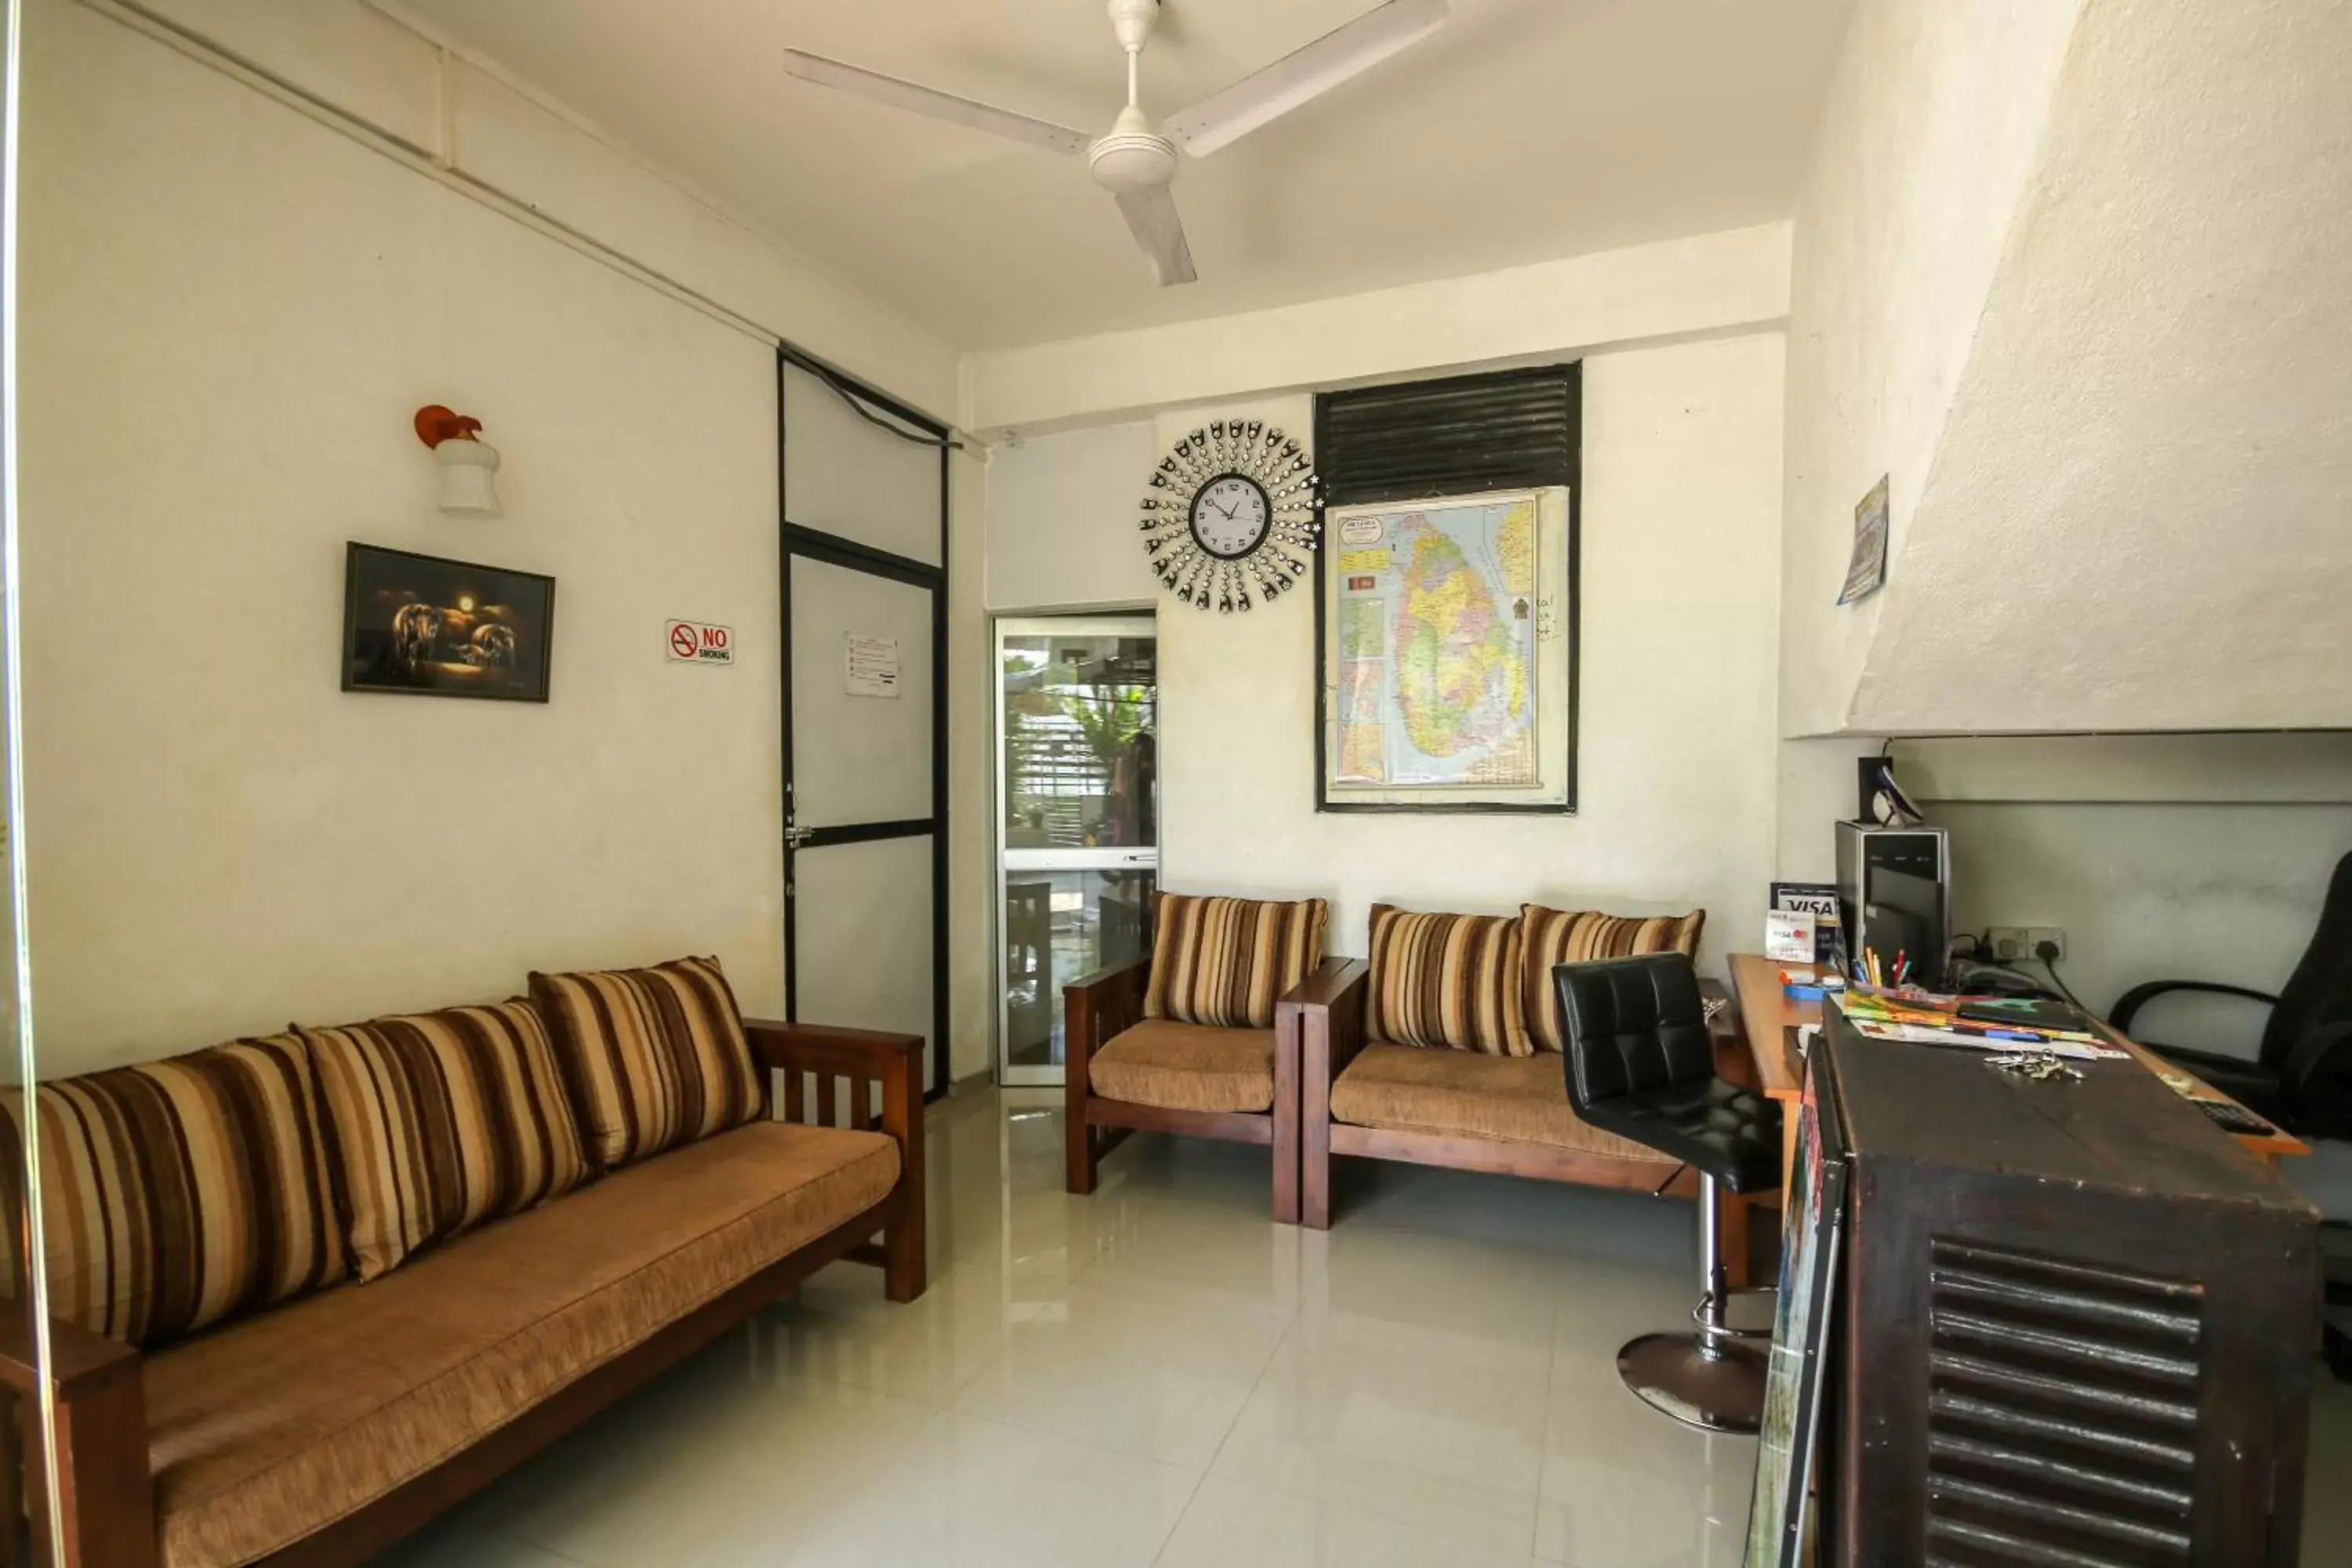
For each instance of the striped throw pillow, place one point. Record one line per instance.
(178, 1193)
(438, 1121)
(1224, 963)
(1450, 981)
(1563, 936)
(657, 1056)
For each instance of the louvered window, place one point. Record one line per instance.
(2062, 1420)
(1507, 430)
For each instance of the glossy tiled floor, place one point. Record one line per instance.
(1159, 1374)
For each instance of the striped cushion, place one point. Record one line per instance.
(440, 1121)
(179, 1193)
(1562, 936)
(1445, 980)
(657, 1056)
(1224, 963)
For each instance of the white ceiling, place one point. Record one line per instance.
(1524, 130)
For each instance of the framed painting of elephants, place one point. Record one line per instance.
(434, 627)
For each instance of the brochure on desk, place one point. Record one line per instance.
(1973, 1023)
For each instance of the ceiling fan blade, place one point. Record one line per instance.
(938, 105)
(1151, 218)
(1304, 74)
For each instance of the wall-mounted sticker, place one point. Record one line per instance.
(1867, 569)
(869, 666)
(696, 642)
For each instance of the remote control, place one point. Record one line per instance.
(2235, 1118)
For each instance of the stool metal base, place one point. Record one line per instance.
(1719, 1393)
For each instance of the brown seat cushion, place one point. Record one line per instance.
(1551, 937)
(657, 1056)
(1517, 1099)
(179, 1193)
(440, 1120)
(282, 1423)
(1187, 1067)
(1226, 962)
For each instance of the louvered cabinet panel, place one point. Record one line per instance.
(2077, 1325)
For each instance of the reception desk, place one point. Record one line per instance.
(2072, 1325)
(1766, 1013)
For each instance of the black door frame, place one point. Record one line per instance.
(832, 549)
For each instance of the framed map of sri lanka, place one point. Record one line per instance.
(1445, 639)
(1446, 622)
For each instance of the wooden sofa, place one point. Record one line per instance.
(1460, 1110)
(315, 1433)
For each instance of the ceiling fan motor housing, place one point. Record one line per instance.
(1132, 158)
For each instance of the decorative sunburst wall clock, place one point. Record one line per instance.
(1229, 520)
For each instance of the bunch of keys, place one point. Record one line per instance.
(2041, 1067)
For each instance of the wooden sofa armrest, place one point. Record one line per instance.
(864, 1057)
(1095, 1008)
(1322, 1020)
(106, 1496)
(1319, 1026)
(812, 1046)
(79, 1361)
(860, 1058)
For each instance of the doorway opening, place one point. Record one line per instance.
(1077, 793)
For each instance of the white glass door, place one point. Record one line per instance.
(1078, 818)
(864, 598)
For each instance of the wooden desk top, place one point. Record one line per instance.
(1766, 1010)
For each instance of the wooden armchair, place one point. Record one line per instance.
(1126, 1073)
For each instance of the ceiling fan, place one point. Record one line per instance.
(1132, 161)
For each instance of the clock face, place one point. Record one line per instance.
(1230, 516)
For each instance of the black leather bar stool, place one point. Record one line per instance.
(1640, 1064)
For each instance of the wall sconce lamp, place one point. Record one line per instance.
(468, 463)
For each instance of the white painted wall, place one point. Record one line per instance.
(971, 842)
(1933, 120)
(2137, 517)
(504, 136)
(2057, 271)
(2174, 856)
(230, 313)
(1732, 282)
(1062, 512)
(1680, 535)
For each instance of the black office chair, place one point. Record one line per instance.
(1640, 1064)
(2303, 1078)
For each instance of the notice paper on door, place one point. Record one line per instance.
(870, 666)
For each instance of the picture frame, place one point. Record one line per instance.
(1803, 1323)
(1499, 619)
(427, 625)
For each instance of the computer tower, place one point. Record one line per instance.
(1894, 898)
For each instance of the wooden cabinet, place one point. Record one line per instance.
(2076, 1323)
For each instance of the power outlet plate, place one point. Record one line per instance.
(2013, 945)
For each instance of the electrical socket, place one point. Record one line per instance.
(2012, 943)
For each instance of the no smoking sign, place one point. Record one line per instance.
(697, 642)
